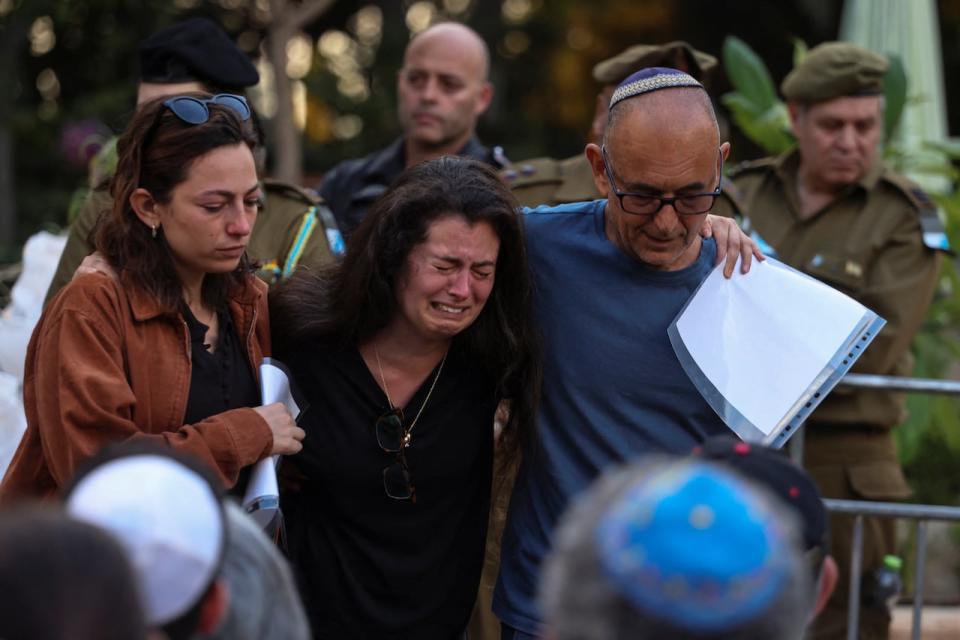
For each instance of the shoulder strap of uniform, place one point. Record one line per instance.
(316, 213)
(334, 238)
(931, 224)
(533, 172)
(308, 224)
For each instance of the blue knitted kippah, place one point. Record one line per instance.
(696, 547)
(652, 79)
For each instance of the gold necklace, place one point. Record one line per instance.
(386, 391)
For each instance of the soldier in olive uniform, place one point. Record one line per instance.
(294, 228)
(548, 181)
(832, 209)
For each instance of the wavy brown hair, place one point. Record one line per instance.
(156, 153)
(346, 304)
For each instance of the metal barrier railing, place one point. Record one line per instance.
(922, 513)
(887, 383)
(892, 383)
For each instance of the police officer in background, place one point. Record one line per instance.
(294, 227)
(548, 181)
(442, 90)
(832, 209)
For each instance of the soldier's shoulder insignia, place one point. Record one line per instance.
(338, 245)
(928, 213)
(934, 234)
(532, 172)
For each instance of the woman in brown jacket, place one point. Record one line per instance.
(169, 348)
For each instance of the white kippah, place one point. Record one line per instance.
(169, 521)
(652, 79)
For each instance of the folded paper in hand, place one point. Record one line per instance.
(765, 348)
(262, 499)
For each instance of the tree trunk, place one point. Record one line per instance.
(287, 19)
(287, 154)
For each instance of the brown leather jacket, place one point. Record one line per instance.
(105, 364)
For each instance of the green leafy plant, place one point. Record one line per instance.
(929, 441)
(754, 104)
(895, 95)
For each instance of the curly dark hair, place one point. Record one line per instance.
(156, 152)
(349, 302)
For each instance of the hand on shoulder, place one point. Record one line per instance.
(96, 263)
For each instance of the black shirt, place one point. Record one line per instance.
(370, 566)
(221, 380)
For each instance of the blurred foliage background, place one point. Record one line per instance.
(69, 67)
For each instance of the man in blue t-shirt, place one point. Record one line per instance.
(611, 275)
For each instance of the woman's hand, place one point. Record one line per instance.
(95, 263)
(732, 243)
(286, 434)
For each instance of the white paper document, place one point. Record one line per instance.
(765, 348)
(262, 499)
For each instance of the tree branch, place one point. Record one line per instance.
(294, 18)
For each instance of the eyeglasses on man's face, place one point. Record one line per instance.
(643, 204)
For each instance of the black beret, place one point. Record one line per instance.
(775, 472)
(676, 55)
(833, 70)
(195, 50)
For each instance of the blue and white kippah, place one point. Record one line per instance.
(652, 79)
(696, 547)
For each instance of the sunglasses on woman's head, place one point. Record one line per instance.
(195, 110)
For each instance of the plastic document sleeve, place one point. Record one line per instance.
(262, 498)
(765, 348)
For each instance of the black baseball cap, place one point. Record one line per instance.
(773, 470)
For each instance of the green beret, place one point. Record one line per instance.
(835, 69)
(676, 55)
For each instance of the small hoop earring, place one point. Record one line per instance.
(153, 230)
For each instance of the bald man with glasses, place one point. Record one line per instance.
(611, 275)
